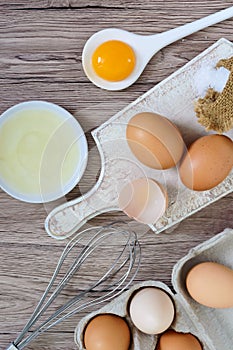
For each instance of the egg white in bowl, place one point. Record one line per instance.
(43, 151)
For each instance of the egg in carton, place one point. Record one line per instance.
(212, 327)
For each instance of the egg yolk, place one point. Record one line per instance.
(113, 60)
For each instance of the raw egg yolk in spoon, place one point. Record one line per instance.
(113, 60)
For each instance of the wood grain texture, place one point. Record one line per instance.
(40, 58)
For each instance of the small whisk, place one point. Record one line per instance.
(86, 245)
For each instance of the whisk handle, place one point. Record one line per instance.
(12, 347)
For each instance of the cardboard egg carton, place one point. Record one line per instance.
(213, 327)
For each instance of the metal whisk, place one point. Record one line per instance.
(86, 245)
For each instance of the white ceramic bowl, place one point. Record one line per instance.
(59, 144)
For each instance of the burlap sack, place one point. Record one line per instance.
(215, 110)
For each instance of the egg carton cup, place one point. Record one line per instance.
(173, 98)
(212, 327)
(216, 324)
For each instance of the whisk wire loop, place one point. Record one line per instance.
(111, 283)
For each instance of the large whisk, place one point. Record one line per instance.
(85, 246)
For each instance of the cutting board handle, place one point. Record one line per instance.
(63, 221)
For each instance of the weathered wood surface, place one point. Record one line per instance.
(40, 58)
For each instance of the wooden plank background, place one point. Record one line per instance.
(40, 58)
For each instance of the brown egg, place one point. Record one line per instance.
(208, 162)
(211, 284)
(107, 331)
(154, 140)
(172, 340)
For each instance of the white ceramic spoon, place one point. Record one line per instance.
(145, 47)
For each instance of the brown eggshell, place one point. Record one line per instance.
(172, 340)
(211, 284)
(207, 163)
(154, 140)
(143, 199)
(107, 331)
